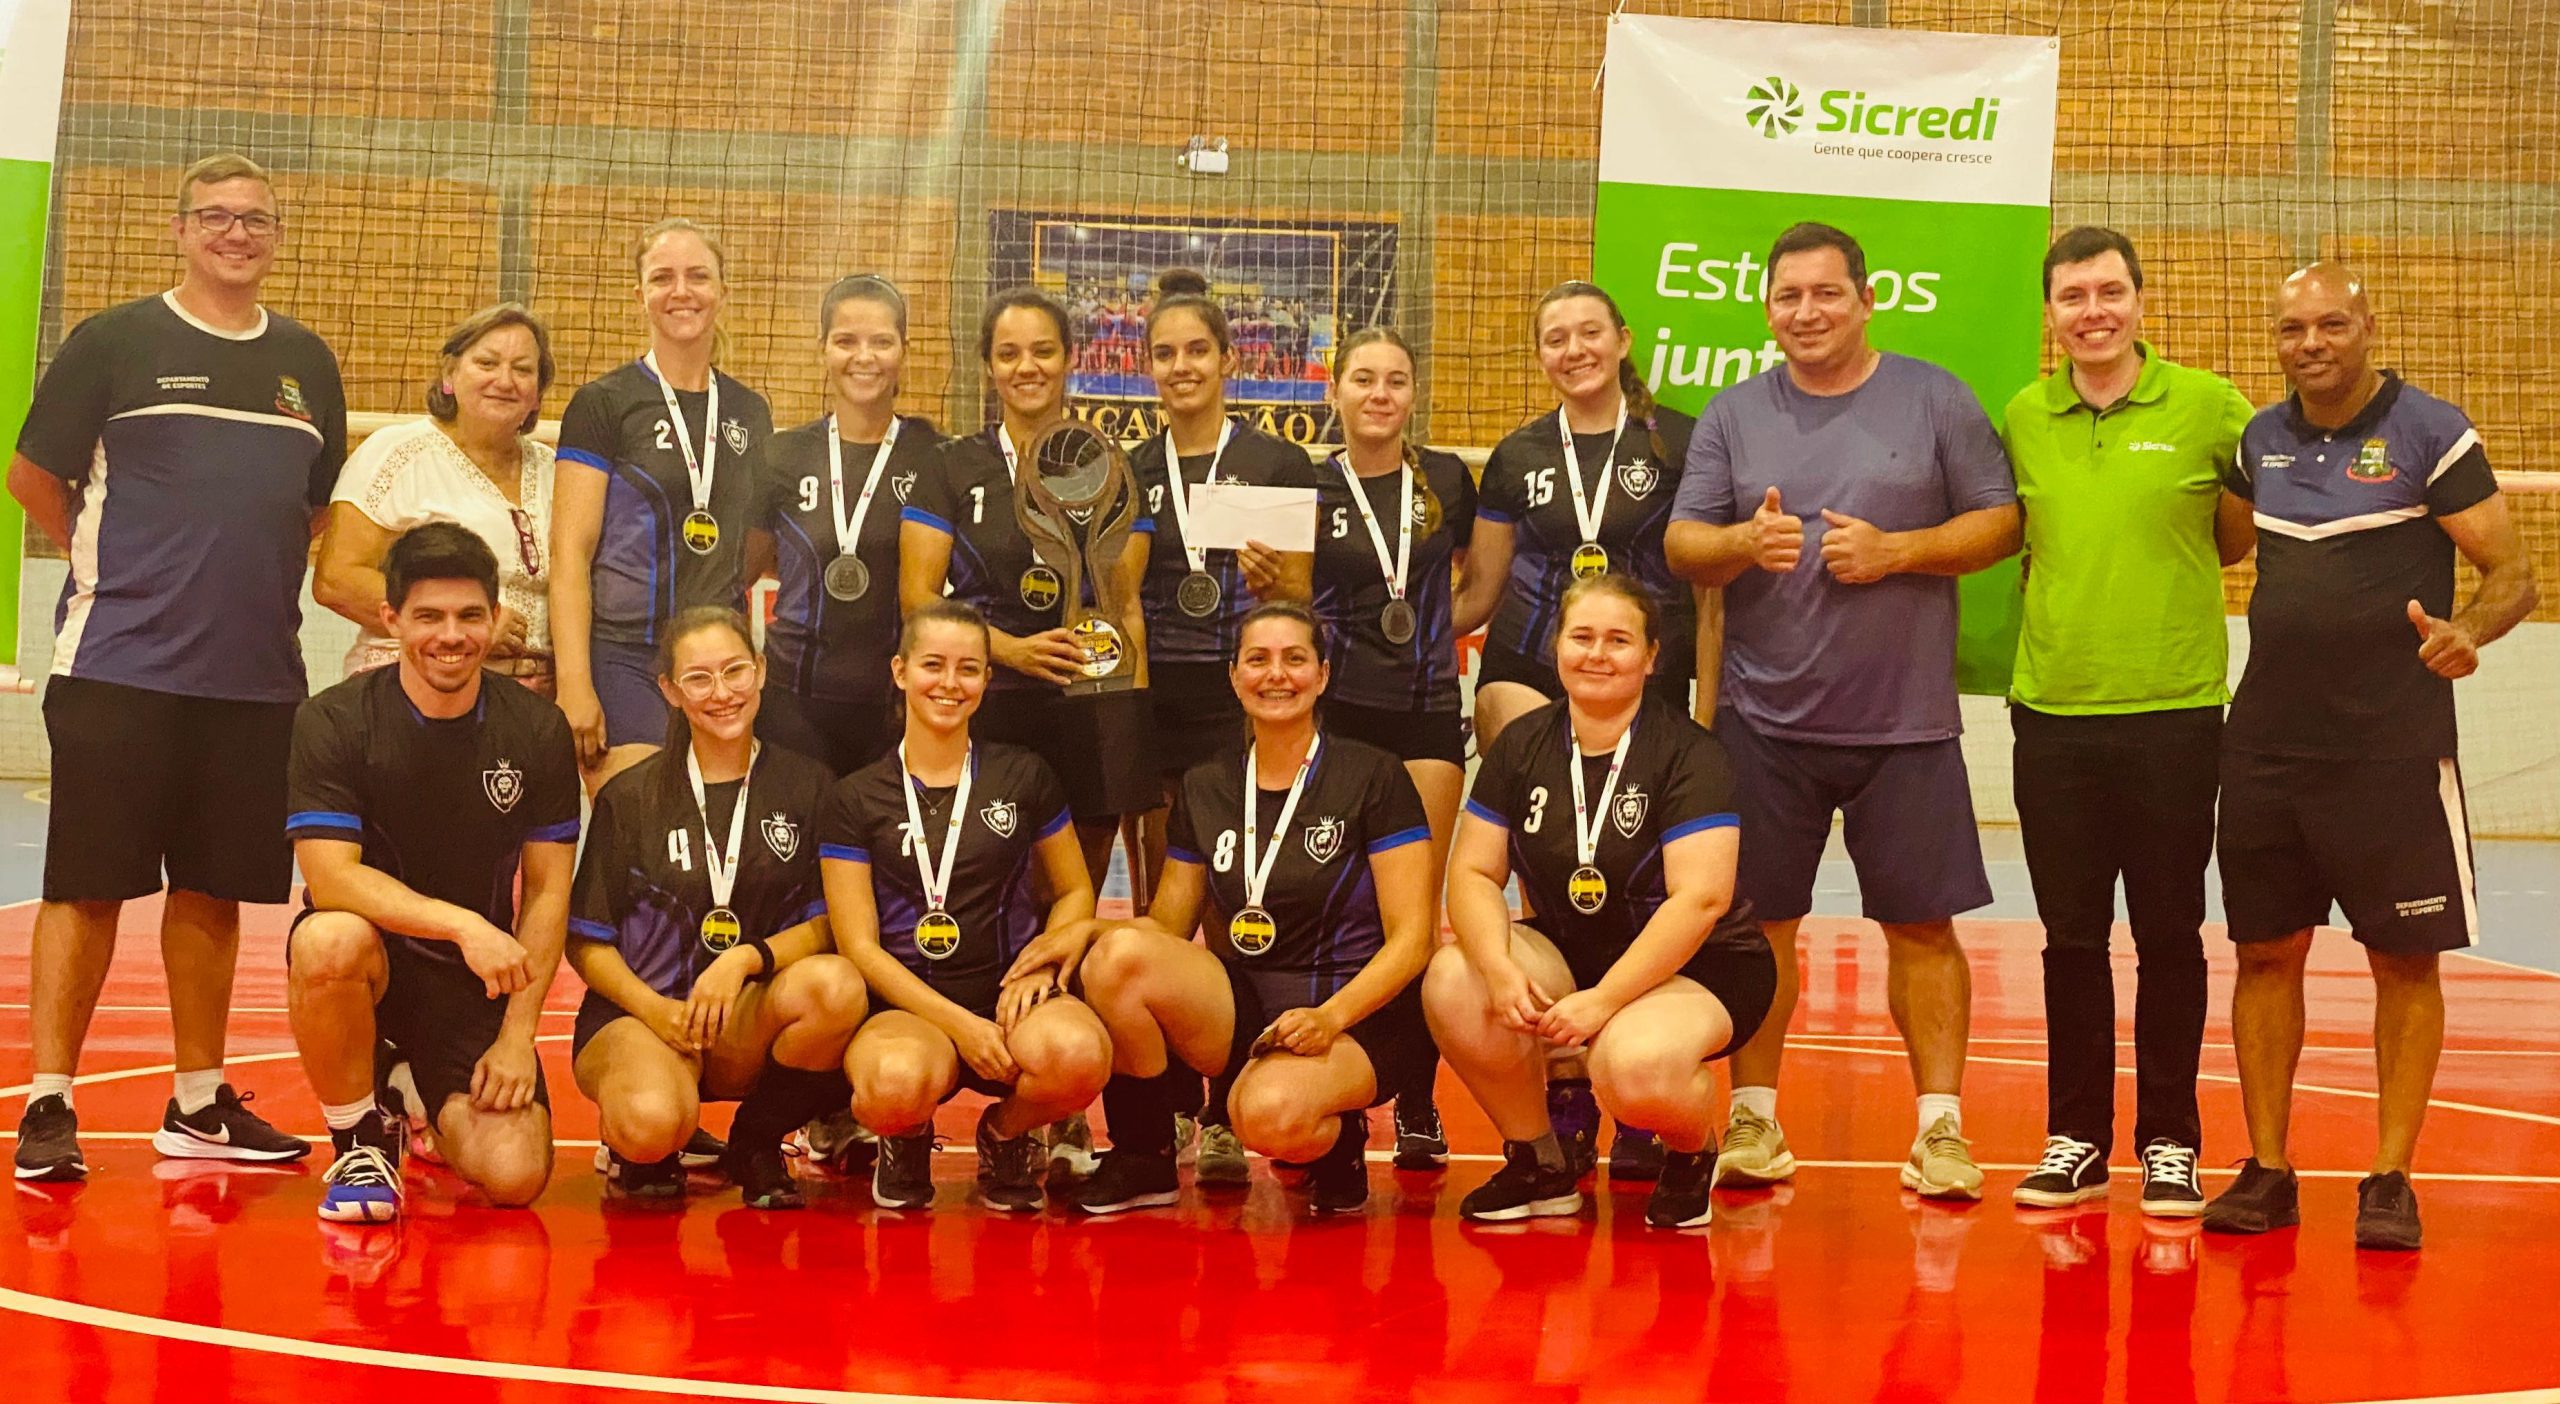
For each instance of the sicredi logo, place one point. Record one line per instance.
(1774, 107)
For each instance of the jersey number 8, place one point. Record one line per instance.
(1224, 858)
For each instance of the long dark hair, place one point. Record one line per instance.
(1640, 402)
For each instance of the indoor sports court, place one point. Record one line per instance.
(1330, 167)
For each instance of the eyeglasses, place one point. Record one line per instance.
(528, 552)
(697, 684)
(258, 224)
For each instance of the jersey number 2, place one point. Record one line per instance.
(666, 438)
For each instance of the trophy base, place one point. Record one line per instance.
(1116, 682)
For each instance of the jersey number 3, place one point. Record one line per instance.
(1537, 810)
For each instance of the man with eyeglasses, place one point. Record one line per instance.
(420, 793)
(179, 450)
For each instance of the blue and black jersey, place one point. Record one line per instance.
(445, 805)
(200, 456)
(1524, 485)
(1323, 899)
(1251, 457)
(644, 573)
(2346, 538)
(1676, 781)
(1420, 675)
(816, 645)
(644, 884)
(1015, 801)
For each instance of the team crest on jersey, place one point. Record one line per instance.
(902, 486)
(504, 784)
(289, 398)
(1639, 478)
(1628, 812)
(736, 434)
(780, 835)
(2372, 463)
(1324, 839)
(1000, 817)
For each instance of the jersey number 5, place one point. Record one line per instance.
(680, 848)
(1224, 858)
(1341, 522)
(1537, 810)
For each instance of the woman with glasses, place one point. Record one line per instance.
(473, 461)
(698, 925)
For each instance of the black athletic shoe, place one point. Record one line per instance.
(2072, 1171)
(2169, 1187)
(647, 1180)
(1339, 1181)
(1575, 1114)
(1680, 1196)
(224, 1130)
(1635, 1155)
(1523, 1189)
(763, 1177)
(2387, 1213)
(1420, 1143)
(2261, 1199)
(704, 1152)
(902, 1176)
(49, 1142)
(1009, 1168)
(1129, 1180)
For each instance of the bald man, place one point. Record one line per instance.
(2339, 783)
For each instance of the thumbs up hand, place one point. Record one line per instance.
(2445, 647)
(1777, 539)
(1854, 551)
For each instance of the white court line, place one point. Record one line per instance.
(101, 1318)
(2508, 1113)
(234, 1061)
(2506, 964)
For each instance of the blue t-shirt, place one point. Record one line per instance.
(1806, 657)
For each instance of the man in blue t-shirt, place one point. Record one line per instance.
(2339, 784)
(1835, 499)
(179, 450)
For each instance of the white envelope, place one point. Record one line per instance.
(1224, 516)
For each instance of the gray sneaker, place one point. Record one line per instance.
(1221, 1160)
(1941, 1164)
(1754, 1153)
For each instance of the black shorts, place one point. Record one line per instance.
(1740, 972)
(1500, 664)
(439, 1016)
(1195, 715)
(626, 681)
(2387, 840)
(1408, 736)
(842, 736)
(146, 780)
(1098, 744)
(1395, 1037)
(1910, 829)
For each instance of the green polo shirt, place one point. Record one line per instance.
(2124, 584)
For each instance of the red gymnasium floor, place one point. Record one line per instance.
(177, 1281)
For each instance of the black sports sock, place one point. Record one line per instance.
(1139, 1111)
(783, 1100)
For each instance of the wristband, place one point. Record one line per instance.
(764, 952)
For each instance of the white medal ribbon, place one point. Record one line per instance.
(1257, 873)
(1588, 822)
(1178, 491)
(697, 469)
(1013, 478)
(721, 864)
(936, 880)
(849, 529)
(1587, 516)
(1396, 566)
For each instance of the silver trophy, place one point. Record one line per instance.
(1075, 500)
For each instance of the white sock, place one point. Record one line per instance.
(1937, 1104)
(1760, 1101)
(347, 1114)
(44, 1085)
(196, 1089)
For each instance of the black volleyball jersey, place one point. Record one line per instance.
(817, 645)
(1525, 485)
(1676, 782)
(1014, 802)
(1323, 899)
(1251, 457)
(644, 881)
(644, 572)
(446, 805)
(1420, 675)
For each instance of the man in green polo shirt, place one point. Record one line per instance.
(2117, 708)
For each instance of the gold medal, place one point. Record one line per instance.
(1252, 931)
(720, 929)
(937, 935)
(1040, 588)
(1590, 560)
(1587, 890)
(701, 533)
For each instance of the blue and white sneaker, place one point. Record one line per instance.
(363, 1186)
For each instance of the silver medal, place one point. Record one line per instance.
(1197, 595)
(1396, 621)
(848, 578)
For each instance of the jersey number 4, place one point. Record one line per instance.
(680, 848)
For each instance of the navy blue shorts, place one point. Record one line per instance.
(1408, 736)
(1398, 1042)
(1193, 715)
(626, 679)
(1909, 815)
(2388, 840)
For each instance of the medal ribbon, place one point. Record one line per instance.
(1198, 555)
(721, 864)
(1257, 874)
(1587, 822)
(1013, 476)
(936, 881)
(849, 529)
(697, 470)
(1587, 516)
(1394, 568)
